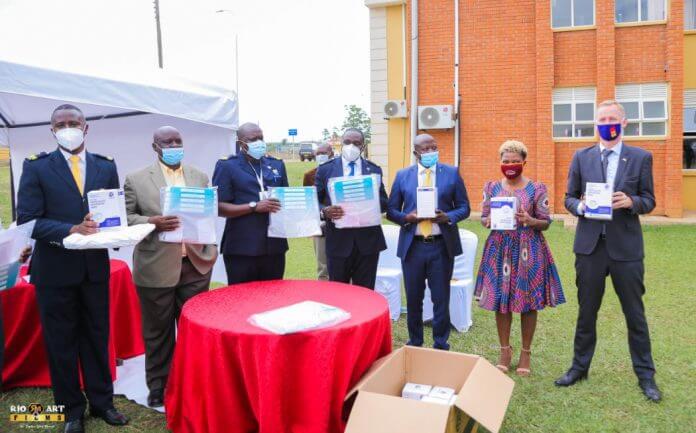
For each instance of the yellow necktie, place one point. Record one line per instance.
(75, 169)
(426, 227)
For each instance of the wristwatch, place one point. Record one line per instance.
(252, 206)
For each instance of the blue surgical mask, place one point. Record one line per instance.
(429, 159)
(609, 132)
(172, 155)
(256, 149)
(321, 158)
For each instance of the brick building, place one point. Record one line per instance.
(535, 71)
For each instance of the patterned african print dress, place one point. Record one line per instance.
(517, 272)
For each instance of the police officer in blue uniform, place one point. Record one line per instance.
(242, 181)
(72, 286)
(351, 253)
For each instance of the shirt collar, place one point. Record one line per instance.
(346, 162)
(166, 169)
(68, 155)
(421, 168)
(616, 149)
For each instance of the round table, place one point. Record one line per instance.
(229, 376)
(26, 362)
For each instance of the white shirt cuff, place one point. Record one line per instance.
(581, 208)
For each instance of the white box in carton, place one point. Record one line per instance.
(108, 208)
(415, 391)
(598, 200)
(436, 400)
(503, 210)
(482, 394)
(441, 392)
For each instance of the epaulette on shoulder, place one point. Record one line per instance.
(36, 156)
(225, 158)
(273, 158)
(108, 158)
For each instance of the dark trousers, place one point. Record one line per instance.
(75, 321)
(242, 269)
(591, 272)
(161, 307)
(431, 262)
(357, 269)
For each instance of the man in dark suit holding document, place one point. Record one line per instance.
(611, 246)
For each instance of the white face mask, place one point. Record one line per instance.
(322, 158)
(70, 138)
(350, 152)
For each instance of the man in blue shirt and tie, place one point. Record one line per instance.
(351, 253)
(243, 181)
(613, 247)
(427, 246)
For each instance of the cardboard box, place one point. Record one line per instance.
(483, 394)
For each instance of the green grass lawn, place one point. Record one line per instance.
(609, 402)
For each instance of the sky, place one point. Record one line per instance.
(300, 61)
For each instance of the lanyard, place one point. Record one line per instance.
(259, 176)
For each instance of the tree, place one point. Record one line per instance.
(325, 135)
(356, 117)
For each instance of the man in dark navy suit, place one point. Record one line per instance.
(612, 247)
(428, 246)
(242, 181)
(351, 253)
(72, 286)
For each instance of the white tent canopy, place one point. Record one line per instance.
(122, 115)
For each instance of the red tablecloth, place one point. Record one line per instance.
(26, 363)
(229, 376)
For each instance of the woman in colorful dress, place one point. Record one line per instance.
(517, 272)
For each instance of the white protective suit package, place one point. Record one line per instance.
(299, 213)
(124, 237)
(197, 209)
(12, 243)
(303, 316)
(359, 198)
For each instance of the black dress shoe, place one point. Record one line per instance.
(156, 398)
(74, 426)
(571, 378)
(110, 416)
(650, 390)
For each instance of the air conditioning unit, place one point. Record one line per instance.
(396, 108)
(435, 117)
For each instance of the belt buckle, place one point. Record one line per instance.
(428, 239)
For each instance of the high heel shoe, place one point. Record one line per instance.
(504, 366)
(525, 372)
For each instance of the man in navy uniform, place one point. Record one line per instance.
(351, 253)
(427, 246)
(72, 286)
(243, 181)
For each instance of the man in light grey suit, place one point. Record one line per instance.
(166, 274)
(614, 247)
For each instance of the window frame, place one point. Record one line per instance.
(640, 22)
(641, 119)
(572, 25)
(573, 117)
(689, 29)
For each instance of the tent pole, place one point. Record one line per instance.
(159, 34)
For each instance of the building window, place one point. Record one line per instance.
(629, 11)
(690, 14)
(646, 108)
(573, 112)
(690, 129)
(572, 13)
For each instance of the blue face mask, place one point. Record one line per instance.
(609, 132)
(429, 159)
(172, 155)
(256, 149)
